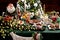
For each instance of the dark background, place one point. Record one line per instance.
(49, 4)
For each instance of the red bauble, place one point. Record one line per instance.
(54, 18)
(7, 18)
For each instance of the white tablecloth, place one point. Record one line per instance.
(17, 37)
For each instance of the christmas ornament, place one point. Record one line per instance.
(22, 0)
(10, 8)
(35, 4)
(7, 18)
(53, 17)
(28, 6)
(20, 22)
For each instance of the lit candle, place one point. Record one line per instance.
(41, 10)
(44, 7)
(3, 13)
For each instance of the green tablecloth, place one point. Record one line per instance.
(54, 31)
(29, 33)
(46, 31)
